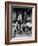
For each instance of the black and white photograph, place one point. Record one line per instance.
(21, 22)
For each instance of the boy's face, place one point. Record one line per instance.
(25, 13)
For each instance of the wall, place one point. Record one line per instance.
(2, 23)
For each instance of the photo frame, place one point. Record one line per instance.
(20, 22)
